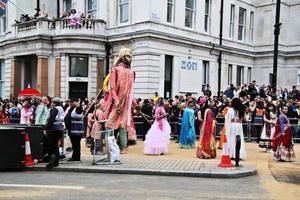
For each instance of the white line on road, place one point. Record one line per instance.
(44, 186)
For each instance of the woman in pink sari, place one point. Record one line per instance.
(207, 144)
(158, 137)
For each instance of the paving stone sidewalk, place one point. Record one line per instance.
(155, 166)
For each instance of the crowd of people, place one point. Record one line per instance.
(26, 18)
(73, 19)
(77, 20)
(274, 118)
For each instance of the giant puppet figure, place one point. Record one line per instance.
(120, 99)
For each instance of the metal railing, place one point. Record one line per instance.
(249, 129)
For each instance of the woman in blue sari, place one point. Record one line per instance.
(187, 137)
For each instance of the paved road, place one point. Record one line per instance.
(59, 185)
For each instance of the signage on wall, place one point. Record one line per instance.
(155, 17)
(141, 44)
(189, 75)
(189, 65)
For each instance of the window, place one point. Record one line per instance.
(189, 13)
(207, 15)
(92, 8)
(170, 11)
(2, 68)
(232, 16)
(229, 74)
(68, 5)
(124, 11)
(78, 66)
(168, 76)
(239, 75)
(205, 72)
(251, 26)
(3, 23)
(249, 75)
(242, 23)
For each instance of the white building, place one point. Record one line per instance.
(175, 45)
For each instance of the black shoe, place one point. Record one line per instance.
(52, 162)
(69, 149)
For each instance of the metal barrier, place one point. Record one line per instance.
(249, 130)
(12, 148)
(101, 156)
(36, 138)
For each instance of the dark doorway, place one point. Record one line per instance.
(78, 90)
(168, 76)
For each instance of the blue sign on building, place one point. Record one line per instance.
(189, 65)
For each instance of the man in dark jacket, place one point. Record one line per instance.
(74, 125)
(54, 129)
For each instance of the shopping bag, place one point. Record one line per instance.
(114, 150)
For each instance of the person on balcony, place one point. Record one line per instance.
(74, 19)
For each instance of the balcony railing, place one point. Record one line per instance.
(82, 26)
(44, 26)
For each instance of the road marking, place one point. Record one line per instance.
(44, 186)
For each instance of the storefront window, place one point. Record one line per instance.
(78, 66)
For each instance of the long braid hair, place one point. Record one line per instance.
(238, 106)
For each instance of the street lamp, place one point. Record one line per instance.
(220, 43)
(276, 38)
(38, 6)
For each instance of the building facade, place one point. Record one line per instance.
(175, 45)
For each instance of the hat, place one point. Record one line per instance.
(202, 100)
(73, 99)
(56, 100)
(122, 53)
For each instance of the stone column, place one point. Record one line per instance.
(57, 77)
(100, 74)
(42, 75)
(15, 78)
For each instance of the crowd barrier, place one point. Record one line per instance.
(12, 148)
(249, 129)
(36, 137)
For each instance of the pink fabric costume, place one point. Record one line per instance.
(97, 125)
(158, 137)
(121, 91)
(132, 132)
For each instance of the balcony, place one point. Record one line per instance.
(60, 27)
(84, 27)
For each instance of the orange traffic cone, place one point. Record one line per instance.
(28, 158)
(225, 160)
